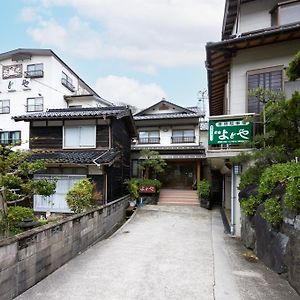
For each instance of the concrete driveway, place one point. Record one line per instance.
(164, 252)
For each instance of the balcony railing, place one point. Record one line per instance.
(34, 74)
(68, 84)
(152, 140)
(183, 139)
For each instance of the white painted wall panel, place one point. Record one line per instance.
(252, 59)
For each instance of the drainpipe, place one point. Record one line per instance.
(233, 198)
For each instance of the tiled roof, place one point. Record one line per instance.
(172, 148)
(76, 157)
(75, 113)
(167, 116)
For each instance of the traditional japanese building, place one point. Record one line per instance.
(34, 80)
(259, 38)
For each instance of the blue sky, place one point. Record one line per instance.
(131, 51)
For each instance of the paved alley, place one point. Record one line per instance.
(164, 252)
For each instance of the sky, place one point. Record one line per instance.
(130, 51)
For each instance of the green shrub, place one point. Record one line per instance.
(150, 182)
(17, 214)
(133, 187)
(276, 174)
(203, 189)
(249, 205)
(292, 195)
(250, 176)
(272, 212)
(80, 196)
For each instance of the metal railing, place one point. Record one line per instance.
(34, 74)
(183, 139)
(68, 84)
(150, 140)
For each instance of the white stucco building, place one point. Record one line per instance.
(176, 133)
(259, 38)
(35, 80)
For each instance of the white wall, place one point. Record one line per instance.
(255, 15)
(252, 59)
(49, 87)
(166, 134)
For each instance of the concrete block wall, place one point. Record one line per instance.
(29, 257)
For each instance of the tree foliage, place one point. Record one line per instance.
(82, 196)
(273, 165)
(16, 178)
(293, 70)
(151, 163)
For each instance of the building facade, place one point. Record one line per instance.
(174, 132)
(81, 142)
(35, 80)
(259, 38)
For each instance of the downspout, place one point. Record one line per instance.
(228, 93)
(232, 219)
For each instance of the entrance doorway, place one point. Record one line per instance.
(178, 175)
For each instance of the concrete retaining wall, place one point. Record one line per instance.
(29, 257)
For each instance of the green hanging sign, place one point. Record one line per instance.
(235, 131)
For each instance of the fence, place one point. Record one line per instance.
(29, 257)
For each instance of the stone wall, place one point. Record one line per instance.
(29, 257)
(278, 248)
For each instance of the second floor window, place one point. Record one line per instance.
(285, 13)
(183, 136)
(4, 106)
(67, 82)
(149, 137)
(35, 71)
(35, 104)
(271, 80)
(10, 137)
(82, 136)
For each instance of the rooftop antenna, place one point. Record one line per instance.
(202, 96)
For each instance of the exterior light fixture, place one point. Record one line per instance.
(237, 169)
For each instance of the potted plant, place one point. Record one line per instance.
(203, 191)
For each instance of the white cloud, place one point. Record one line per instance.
(126, 90)
(147, 34)
(76, 37)
(28, 14)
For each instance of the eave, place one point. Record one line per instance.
(219, 58)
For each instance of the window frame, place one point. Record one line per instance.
(183, 138)
(10, 140)
(260, 71)
(35, 105)
(149, 139)
(36, 73)
(79, 146)
(2, 107)
(276, 12)
(67, 81)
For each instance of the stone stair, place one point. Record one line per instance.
(178, 197)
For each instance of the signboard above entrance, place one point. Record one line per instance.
(235, 131)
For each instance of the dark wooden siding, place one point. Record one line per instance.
(45, 137)
(120, 170)
(99, 181)
(102, 136)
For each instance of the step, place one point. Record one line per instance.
(178, 203)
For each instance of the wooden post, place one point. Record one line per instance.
(198, 171)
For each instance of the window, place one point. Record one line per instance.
(149, 137)
(80, 136)
(285, 13)
(34, 71)
(67, 82)
(268, 79)
(183, 136)
(4, 106)
(35, 104)
(10, 137)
